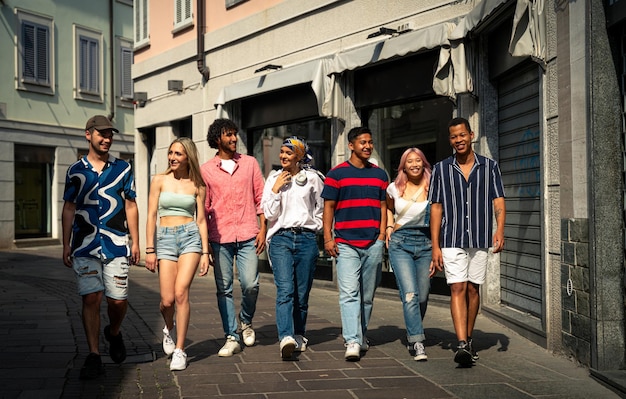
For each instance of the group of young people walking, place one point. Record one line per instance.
(224, 214)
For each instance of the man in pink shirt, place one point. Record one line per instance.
(234, 187)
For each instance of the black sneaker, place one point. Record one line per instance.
(92, 367)
(117, 349)
(463, 356)
(470, 344)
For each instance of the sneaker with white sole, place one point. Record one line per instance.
(231, 347)
(353, 351)
(366, 345)
(168, 343)
(470, 344)
(287, 347)
(462, 355)
(179, 360)
(420, 352)
(301, 343)
(247, 333)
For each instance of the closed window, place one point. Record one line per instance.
(142, 36)
(183, 16)
(88, 65)
(125, 62)
(34, 52)
(88, 53)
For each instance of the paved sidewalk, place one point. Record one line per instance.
(42, 348)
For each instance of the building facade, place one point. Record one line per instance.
(61, 63)
(539, 82)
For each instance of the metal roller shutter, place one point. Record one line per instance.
(519, 160)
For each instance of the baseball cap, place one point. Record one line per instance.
(100, 122)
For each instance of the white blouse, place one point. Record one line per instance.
(416, 213)
(294, 205)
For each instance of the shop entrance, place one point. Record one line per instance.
(33, 176)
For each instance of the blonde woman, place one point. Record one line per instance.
(177, 200)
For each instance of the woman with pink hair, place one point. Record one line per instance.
(408, 242)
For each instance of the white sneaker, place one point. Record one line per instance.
(231, 347)
(301, 343)
(168, 343)
(353, 351)
(420, 352)
(247, 333)
(179, 360)
(287, 346)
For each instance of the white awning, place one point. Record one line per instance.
(529, 30)
(315, 72)
(397, 46)
(473, 18)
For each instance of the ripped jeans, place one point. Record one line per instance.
(108, 275)
(410, 253)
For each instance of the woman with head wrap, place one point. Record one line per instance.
(293, 208)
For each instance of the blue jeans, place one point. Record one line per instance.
(293, 257)
(410, 252)
(358, 273)
(248, 275)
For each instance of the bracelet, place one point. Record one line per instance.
(326, 242)
(205, 253)
(149, 247)
(390, 227)
(150, 253)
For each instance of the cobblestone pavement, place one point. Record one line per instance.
(42, 348)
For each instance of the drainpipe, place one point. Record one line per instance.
(202, 68)
(112, 53)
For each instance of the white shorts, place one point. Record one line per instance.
(465, 264)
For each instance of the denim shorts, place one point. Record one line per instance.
(171, 242)
(109, 275)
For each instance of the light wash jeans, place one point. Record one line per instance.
(410, 253)
(293, 257)
(358, 274)
(248, 275)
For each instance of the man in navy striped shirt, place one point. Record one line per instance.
(466, 192)
(354, 197)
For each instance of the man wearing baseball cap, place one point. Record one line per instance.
(100, 122)
(98, 215)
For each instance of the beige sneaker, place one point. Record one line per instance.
(287, 346)
(247, 333)
(231, 347)
(353, 351)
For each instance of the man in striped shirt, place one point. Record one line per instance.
(466, 192)
(354, 197)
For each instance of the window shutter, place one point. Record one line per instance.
(179, 12)
(42, 54)
(125, 73)
(28, 49)
(187, 9)
(89, 65)
(94, 76)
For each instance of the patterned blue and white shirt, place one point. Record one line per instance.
(467, 204)
(100, 229)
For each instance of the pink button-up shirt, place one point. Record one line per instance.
(233, 201)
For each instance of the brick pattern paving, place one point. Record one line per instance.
(42, 348)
